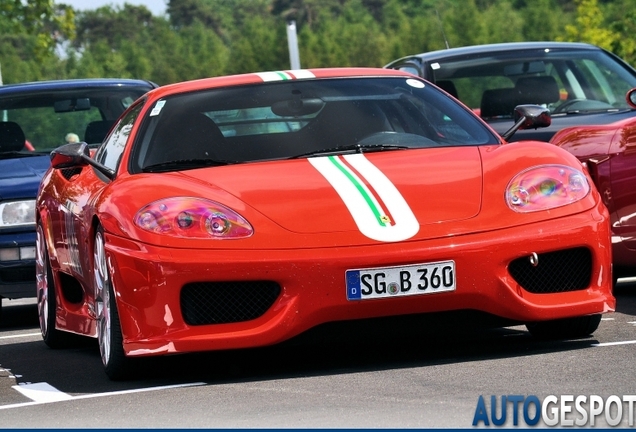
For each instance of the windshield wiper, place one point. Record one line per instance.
(186, 164)
(349, 149)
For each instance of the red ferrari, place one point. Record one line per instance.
(609, 152)
(240, 211)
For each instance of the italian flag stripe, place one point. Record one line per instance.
(368, 198)
(376, 205)
(285, 75)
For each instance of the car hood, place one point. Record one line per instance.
(20, 177)
(388, 196)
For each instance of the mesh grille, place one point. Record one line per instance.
(68, 173)
(226, 302)
(560, 271)
(21, 274)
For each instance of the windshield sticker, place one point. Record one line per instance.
(415, 83)
(286, 75)
(377, 207)
(157, 109)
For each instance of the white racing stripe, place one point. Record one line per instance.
(285, 75)
(372, 221)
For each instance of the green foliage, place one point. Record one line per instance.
(621, 14)
(202, 38)
(540, 22)
(499, 12)
(463, 24)
(589, 26)
(36, 19)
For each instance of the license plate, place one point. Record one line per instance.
(415, 279)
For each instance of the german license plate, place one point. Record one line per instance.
(428, 278)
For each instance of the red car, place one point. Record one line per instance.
(240, 211)
(609, 152)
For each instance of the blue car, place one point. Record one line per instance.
(35, 118)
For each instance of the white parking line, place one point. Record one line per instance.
(614, 343)
(52, 398)
(42, 392)
(21, 336)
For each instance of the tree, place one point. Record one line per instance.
(29, 33)
(463, 24)
(540, 23)
(492, 17)
(589, 26)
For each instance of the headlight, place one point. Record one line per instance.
(546, 187)
(190, 217)
(17, 213)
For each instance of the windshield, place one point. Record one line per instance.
(35, 122)
(565, 81)
(302, 118)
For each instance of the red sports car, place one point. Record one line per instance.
(240, 211)
(609, 152)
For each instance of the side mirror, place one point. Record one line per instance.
(68, 105)
(77, 155)
(70, 155)
(527, 117)
(631, 97)
(297, 107)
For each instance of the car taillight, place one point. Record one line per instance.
(191, 217)
(545, 187)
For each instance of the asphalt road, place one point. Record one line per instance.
(407, 373)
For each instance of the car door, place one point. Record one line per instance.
(623, 179)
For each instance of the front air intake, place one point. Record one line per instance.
(226, 302)
(554, 272)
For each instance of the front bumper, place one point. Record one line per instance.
(17, 276)
(148, 282)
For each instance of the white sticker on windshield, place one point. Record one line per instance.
(415, 83)
(157, 109)
(435, 66)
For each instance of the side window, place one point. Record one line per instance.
(111, 150)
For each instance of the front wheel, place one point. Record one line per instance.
(45, 291)
(109, 336)
(567, 328)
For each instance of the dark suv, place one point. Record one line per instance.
(579, 83)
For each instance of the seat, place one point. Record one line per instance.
(540, 90)
(347, 122)
(96, 131)
(187, 136)
(499, 102)
(449, 87)
(11, 137)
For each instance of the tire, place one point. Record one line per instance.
(568, 328)
(116, 365)
(46, 296)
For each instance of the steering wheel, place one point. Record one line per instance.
(564, 107)
(584, 105)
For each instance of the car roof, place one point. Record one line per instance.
(73, 84)
(270, 76)
(499, 47)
